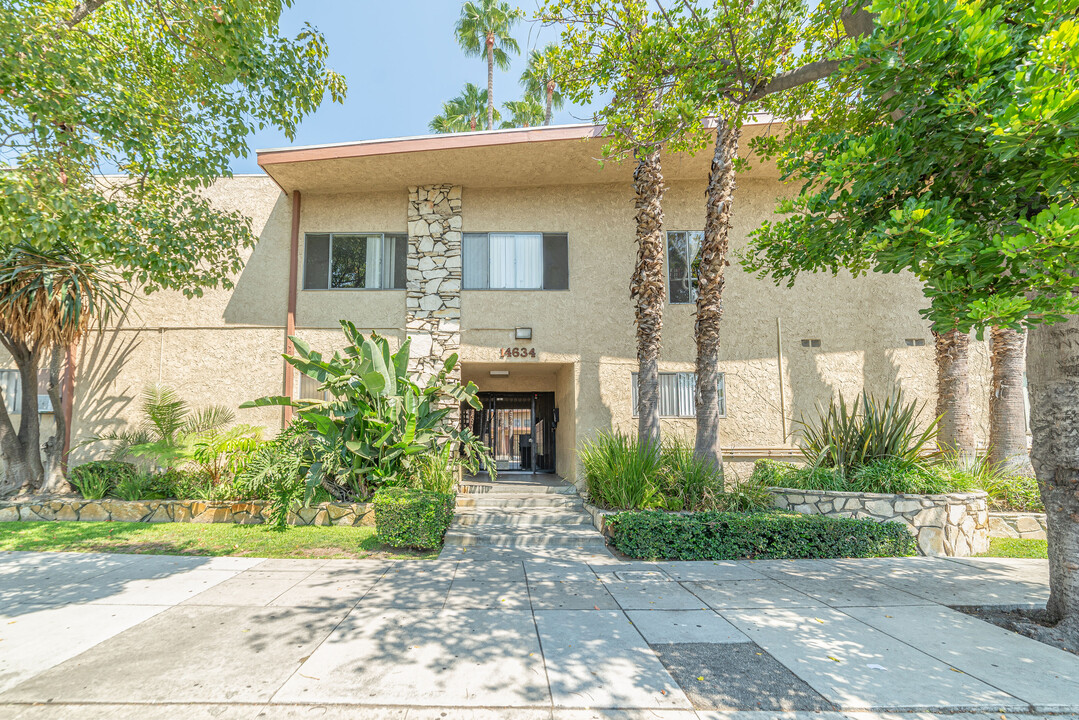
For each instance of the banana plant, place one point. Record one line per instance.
(375, 416)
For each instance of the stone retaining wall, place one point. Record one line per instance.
(955, 524)
(1029, 526)
(255, 512)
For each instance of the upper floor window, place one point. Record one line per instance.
(683, 249)
(516, 261)
(678, 394)
(354, 260)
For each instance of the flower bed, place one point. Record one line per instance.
(953, 524)
(255, 512)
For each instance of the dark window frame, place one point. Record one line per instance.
(398, 274)
(545, 237)
(667, 266)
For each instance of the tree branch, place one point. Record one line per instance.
(811, 72)
(82, 11)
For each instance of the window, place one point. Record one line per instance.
(11, 386)
(678, 394)
(915, 342)
(683, 251)
(354, 261)
(516, 261)
(309, 389)
(811, 342)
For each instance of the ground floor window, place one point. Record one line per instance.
(678, 394)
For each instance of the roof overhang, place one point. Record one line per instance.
(554, 155)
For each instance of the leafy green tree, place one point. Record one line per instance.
(483, 30)
(462, 113)
(165, 93)
(681, 78)
(538, 81)
(523, 113)
(960, 164)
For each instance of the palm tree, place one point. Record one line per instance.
(953, 392)
(538, 81)
(1007, 404)
(648, 288)
(523, 113)
(484, 29)
(463, 112)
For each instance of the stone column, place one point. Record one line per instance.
(433, 304)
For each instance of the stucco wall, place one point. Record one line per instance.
(225, 348)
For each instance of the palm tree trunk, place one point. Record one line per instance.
(490, 81)
(1007, 406)
(953, 392)
(550, 103)
(710, 282)
(1053, 381)
(648, 289)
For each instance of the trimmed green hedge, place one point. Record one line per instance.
(410, 518)
(657, 535)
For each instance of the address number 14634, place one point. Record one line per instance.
(517, 352)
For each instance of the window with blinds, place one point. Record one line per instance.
(678, 394)
(11, 386)
(353, 261)
(515, 261)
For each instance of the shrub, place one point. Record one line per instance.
(654, 535)
(94, 480)
(620, 472)
(687, 482)
(274, 473)
(405, 517)
(1007, 493)
(135, 487)
(846, 438)
(895, 475)
(771, 473)
(745, 496)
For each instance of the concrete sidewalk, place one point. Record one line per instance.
(519, 635)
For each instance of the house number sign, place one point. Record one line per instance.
(517, 352)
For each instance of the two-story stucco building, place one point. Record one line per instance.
(514, 249)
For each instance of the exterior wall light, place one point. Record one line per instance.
(500, 373)
(522, 333)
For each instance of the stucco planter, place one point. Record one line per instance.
(1028, 526)
(253, 512)
(953, 524)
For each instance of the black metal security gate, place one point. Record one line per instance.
(518, 427)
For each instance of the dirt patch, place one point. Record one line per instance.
(1030, 623)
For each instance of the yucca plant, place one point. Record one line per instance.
(847, 437)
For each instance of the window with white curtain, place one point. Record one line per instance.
(682, 251)
(678, 394)
(515, 261)
(354, 261)
(11, 386)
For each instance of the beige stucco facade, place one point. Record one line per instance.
(224, 348)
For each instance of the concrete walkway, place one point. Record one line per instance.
(517, 635)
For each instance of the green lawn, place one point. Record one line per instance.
(199, 539)
(1016, 548)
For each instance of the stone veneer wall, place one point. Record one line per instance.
(255, 512)
(955, 524)
(433, 301)
(1028, 526)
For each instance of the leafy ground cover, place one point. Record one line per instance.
(199, 539)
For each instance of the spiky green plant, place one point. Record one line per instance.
(621, 472)
(847, 437)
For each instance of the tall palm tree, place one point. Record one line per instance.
(484, 30)
(1007, 403)
(953, 391)
(538, 81)
(648, 288)
(463, 112)
(523, 113)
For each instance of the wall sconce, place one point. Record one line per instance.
(522, 333)
(500, 373)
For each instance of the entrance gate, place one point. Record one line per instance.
(518, 427)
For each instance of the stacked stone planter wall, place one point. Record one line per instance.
(1028, 526)
(955, 524)
(244, 513)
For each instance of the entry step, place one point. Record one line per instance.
(517, 487)
(519, 500)
(520, 517)
(540, 536)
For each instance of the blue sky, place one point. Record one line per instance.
(401, 62)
